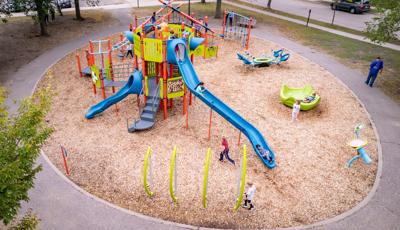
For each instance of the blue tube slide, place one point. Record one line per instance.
(177, 54)
(133, 86)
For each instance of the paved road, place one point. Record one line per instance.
(319, 11)
(61, 205)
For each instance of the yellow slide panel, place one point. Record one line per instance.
(243, 166)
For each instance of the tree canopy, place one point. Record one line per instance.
(386, 26)
(21, 137)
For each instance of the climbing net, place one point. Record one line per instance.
(237, 27)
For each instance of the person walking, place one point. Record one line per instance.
(249, 196)
(225, 152)
(129, 50)
(375, 67)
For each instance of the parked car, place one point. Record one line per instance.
(64, 3)
(352, 6)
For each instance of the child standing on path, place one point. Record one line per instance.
(296, 110)
(225, 152)
(249, 196)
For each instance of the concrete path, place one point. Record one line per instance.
(333, 31)
(62, 205)
(320, 11)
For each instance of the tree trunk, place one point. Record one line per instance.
(41, 13)
(218, 11)
(77, 11)
(203, 1)
(269, 4)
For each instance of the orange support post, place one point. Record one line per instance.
(185, 108)
(209, 125)
(65, 160)
(91, 46)
(103, 90)
(78, 62)
(102, 61)
(190, 98)
(224, 24)
(187, 119)
(240, 134)
(91, 52)
(111, 68)
(192, 56)
(88, 58)
(205, 44)
(164, 68)
(94, 89)
(136, 24)
(248, 33)
(121, 38)
(182, 27)
(144, 72)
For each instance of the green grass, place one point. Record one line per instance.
(353, 53)
(313, 21)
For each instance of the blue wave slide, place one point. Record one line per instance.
(177, 54)
(133, 86)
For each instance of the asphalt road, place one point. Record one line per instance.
(320, 10)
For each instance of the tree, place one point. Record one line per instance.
(42, 9)
(218, 9)
(203, 1)
(21, 137)
(78, 9)
(269, 4)
(386, 26)
(5, 9)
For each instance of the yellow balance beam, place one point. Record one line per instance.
(204, 195)
(243, 166)
(172, 173)
(145, 170)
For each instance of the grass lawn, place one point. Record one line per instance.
(19, 36)
(313, 21)
(355, 54)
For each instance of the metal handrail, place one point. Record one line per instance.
(140, 98)
(156, 94)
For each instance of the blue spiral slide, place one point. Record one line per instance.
(133, 86)
(177, 54)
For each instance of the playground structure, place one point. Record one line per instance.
(161, 81)
(237, 27)
(277, 58)
(166, 70)
(148, 173)
(290, 95)
(358, 144)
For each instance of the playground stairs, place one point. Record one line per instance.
(149, 112)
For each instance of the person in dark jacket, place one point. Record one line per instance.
(375, 67)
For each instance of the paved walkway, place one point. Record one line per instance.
(62, 205)
(333, 31)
